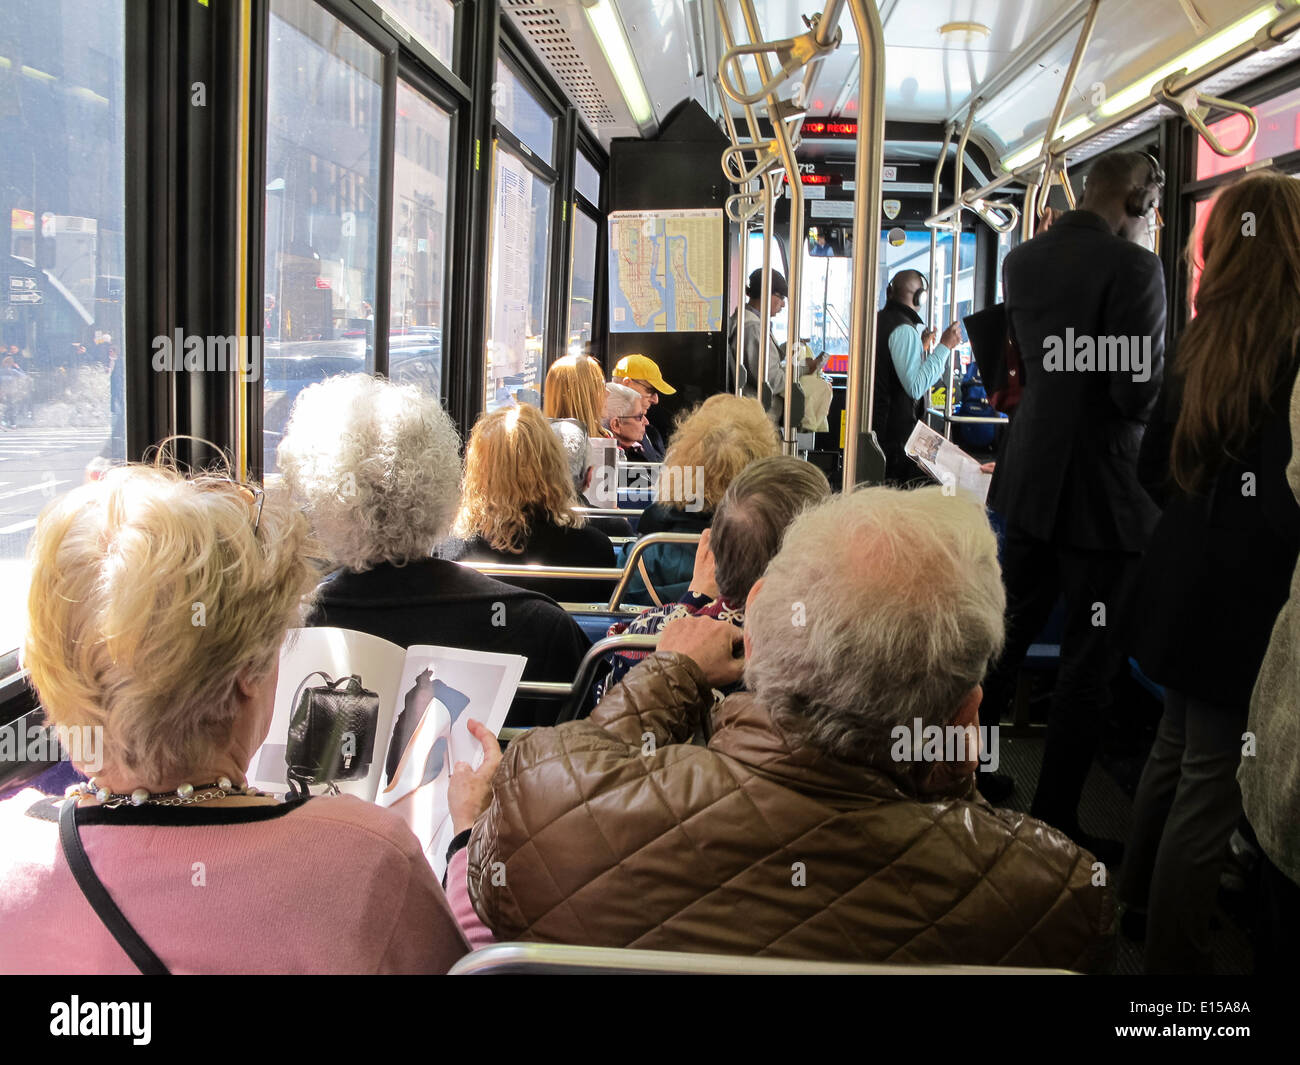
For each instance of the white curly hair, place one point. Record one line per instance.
(376, 466)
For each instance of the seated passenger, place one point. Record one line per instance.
(644, 377)
(822, 821)
(712, 443)
(517, 507)
(626, 421)
(575, 388)
(746, 533)
(377, 468)
(166, 711)
(577, 453)
(1214, 576)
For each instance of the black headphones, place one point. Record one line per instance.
(1141, 200)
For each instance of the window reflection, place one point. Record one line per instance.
(582, 292)
(521, 211)
(322, 164)
(523, 114)
(62, 219)
(423, 143)
(432, 21)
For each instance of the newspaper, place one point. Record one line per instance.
(948, 464)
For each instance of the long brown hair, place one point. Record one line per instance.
(575, 388)
(1241, 346)
(515, 472)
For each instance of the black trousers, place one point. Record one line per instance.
(1097, 587)
(1277, 928)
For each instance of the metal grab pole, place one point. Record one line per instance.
(869, 161)
(740, 309)
(930, 310)
(765, 290)
(1054, 122)
(956, 263)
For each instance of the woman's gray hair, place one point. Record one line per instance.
(573, 438)
(755, 512)
(375, 465)
(620, 402)
(882, 607)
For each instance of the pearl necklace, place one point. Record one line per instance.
(185, 795)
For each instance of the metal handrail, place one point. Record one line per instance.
(930, 310)
(607, 512)
(1195, 106)
(955, 227)
(573, 692)
(868, 159)
(986, 212)
(622, 576)
(1274, 33)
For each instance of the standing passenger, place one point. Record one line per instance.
(908, 364)
(754, 326)
(1066, 483)
(1215, 574)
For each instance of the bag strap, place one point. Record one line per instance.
(649, 585)
(100, 900)
(329, 682)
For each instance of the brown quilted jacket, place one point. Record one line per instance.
(616, 831)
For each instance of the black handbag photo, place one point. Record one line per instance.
(332, 733)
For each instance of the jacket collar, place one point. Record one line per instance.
(427, 580)
(903, 308)
(1083, 220)
(745, 731)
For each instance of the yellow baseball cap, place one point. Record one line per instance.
(639, 368)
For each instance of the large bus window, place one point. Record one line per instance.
(582, 288)
(521, 223)
(423, 146)
(62, 211)
(322, 189)
(586, 179)
(432, 21)
(523, 114)
(1279, 134)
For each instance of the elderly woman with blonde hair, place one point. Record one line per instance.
(518, 506)
(711, 444)
(377, 468)
(157, 607)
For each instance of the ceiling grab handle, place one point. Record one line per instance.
(1195, 106)
(742, 206)
(987, 213)
(793, 53)
(733, 161)
(869, 162)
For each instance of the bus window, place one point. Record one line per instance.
(423, 146)
(322, 206)
(432, 21)
(63, 203)
(582, 290)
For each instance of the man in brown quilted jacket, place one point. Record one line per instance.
(812, 825)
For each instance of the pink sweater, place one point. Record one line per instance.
(332, 885)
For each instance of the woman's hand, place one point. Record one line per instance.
(710, 644)
(470, 790)
(703, 581)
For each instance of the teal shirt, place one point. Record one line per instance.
(917, 371)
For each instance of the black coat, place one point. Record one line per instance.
(548, 545)
(1219, 564)
(440, 603)
(1068, 470)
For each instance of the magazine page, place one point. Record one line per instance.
(341, 687)
(947, 463)
(440, 689)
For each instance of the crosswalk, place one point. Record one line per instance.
(36, 465)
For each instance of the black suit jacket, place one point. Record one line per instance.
(1068, 468)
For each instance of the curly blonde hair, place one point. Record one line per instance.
(515, 471)
(376, 467)
(720, 437)
(575, 388)
(151, 596)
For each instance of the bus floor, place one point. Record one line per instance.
(1107, 804)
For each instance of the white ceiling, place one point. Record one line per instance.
(1019, 67)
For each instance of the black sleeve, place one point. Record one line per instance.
(1153, 458)
(1135, 307)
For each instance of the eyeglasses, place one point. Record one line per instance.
(252, 494)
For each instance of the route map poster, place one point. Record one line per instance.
(665, 271)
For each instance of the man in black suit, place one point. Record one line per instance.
(1086, 305)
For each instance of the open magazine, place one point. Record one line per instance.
(367, 717)
(947, 463)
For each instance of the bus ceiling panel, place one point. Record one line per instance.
(624, 64)
(1132, 47)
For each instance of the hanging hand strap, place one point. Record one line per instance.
(100, 900)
